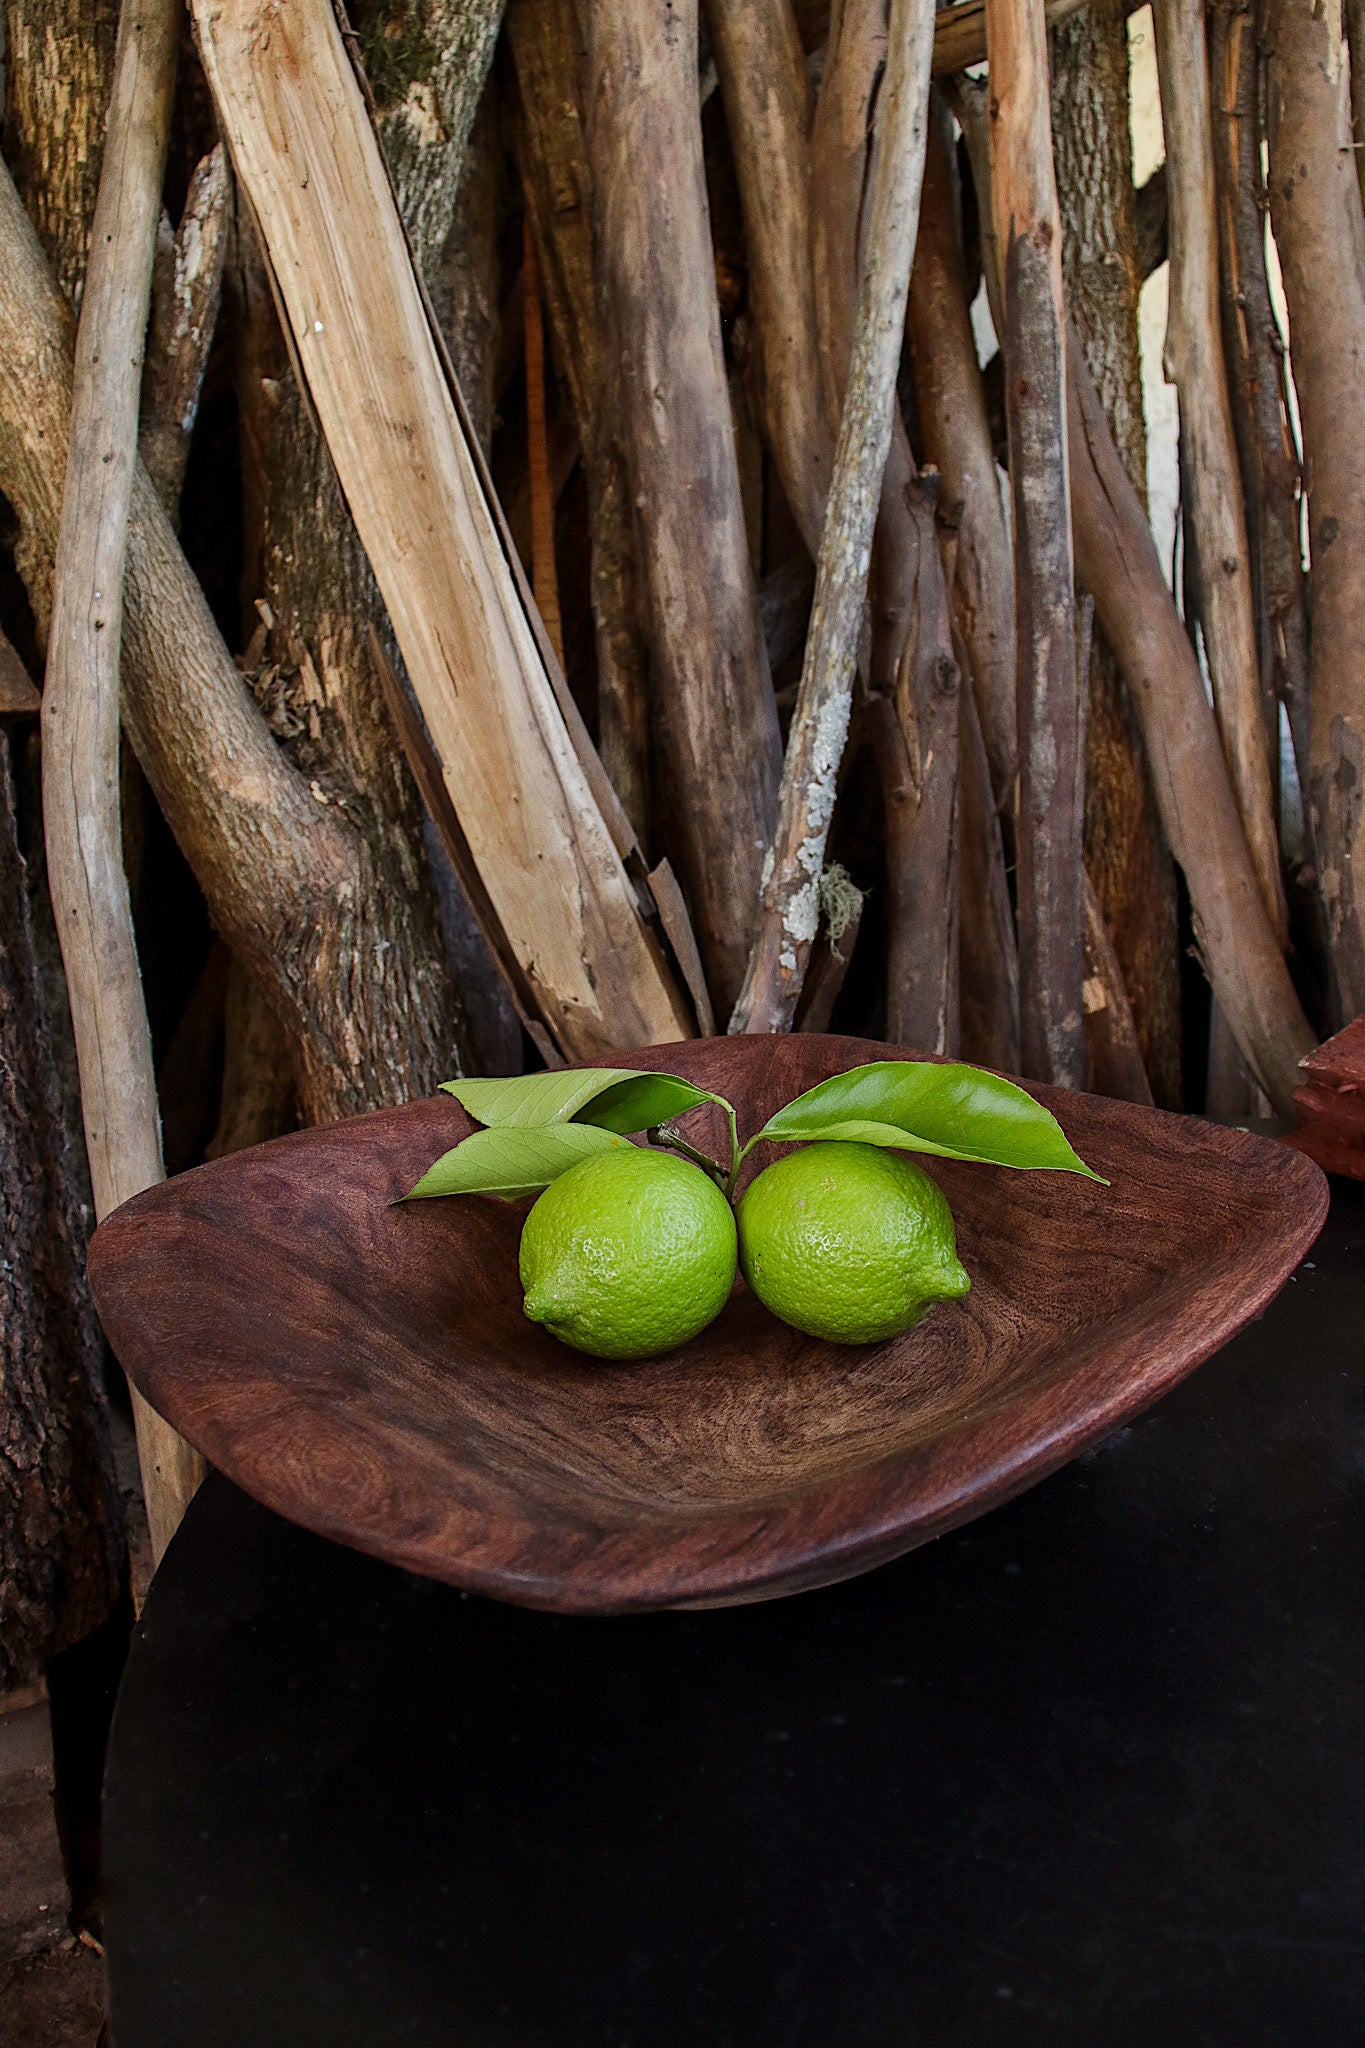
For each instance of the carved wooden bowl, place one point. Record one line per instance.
(367, 1372)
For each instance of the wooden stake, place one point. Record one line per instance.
(1316, 211)
(790, 901)
(1211, 479)
(80, 720)
(517, 766)
(1048, 698)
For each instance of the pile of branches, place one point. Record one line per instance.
(568, 572)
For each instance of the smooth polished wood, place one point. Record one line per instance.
(367, 1370)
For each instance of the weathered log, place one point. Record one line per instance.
(1048, 825)
(465, 289)
(960, 32)
(187, 285)
(789, 915)
(1255, 354)
(1126, 854)
(1210, 476)
(1118, 562)
(911, 660)
(61, 1543)
(58, 61)
(1319, 223)
(549, 840)
(989, 949)
(81, 696)
(956, 436)
(711, 692)
(766, 92)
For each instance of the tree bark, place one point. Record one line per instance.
(1210, 476)
(187, 285)
(466, 288)
(1113, 1058)
(1316, 211)
(911, 659)
(58, 60)
(61, 1543)
(956, 435)
(720, 748)
(1255, 354)
(80, 717)
(763, 82)
(1047, 694)
(790, 910)
(1126, 854)
(989, 949)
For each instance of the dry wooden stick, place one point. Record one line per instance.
(1113, 1058)
(960, 32)
(305, 151)
(989, 949)
(81, 696)
(187, 284)
(956, 435)
(790, 901)
(1047, 689)
(711, 692)
(544, 577)
(1254, 351)
(1210, 474)
(1316, 211)
(766, 91)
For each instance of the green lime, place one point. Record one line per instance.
(628, 1253)
(848, 1242)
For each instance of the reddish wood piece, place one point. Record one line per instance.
(367, 1371)
(1331, 1103)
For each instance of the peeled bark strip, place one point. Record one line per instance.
(60, 1542)
(187, 284)
(720, 746)
(1315, 208)
(790, 904)
(955, 428)
(1118, 562)
(1126, 854)
(911, 661)
(81, 696)
(989, 950)
(520, 770)
(1254, 350)
(1051, 766)
(766, 92)
(1210, 476)
(548, 56)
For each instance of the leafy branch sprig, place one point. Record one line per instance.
(536, 1126)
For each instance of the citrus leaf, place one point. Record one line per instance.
(953, 1111)
(513, 1161)
(616, 1098)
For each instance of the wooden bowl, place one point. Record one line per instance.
(367, 1371)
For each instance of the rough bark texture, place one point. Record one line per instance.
(1316, 211)
(1113, 1059)
(549, 58)
(187, 285)
(289, 882)
(956, 436)
(1217, 555)
(1254, 349)
(714, 715)
(58, 60)
(763, 82)
(465, 288)
(1126, 854)
(60, 1540)
(1048, 826)
(911, 659)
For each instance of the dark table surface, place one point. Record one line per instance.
(1090, 1771)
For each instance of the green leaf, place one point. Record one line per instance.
(511, 1161)
(955, 1111)
(615, 1098)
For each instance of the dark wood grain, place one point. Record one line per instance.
(367, 1370)
(1331, 1103)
